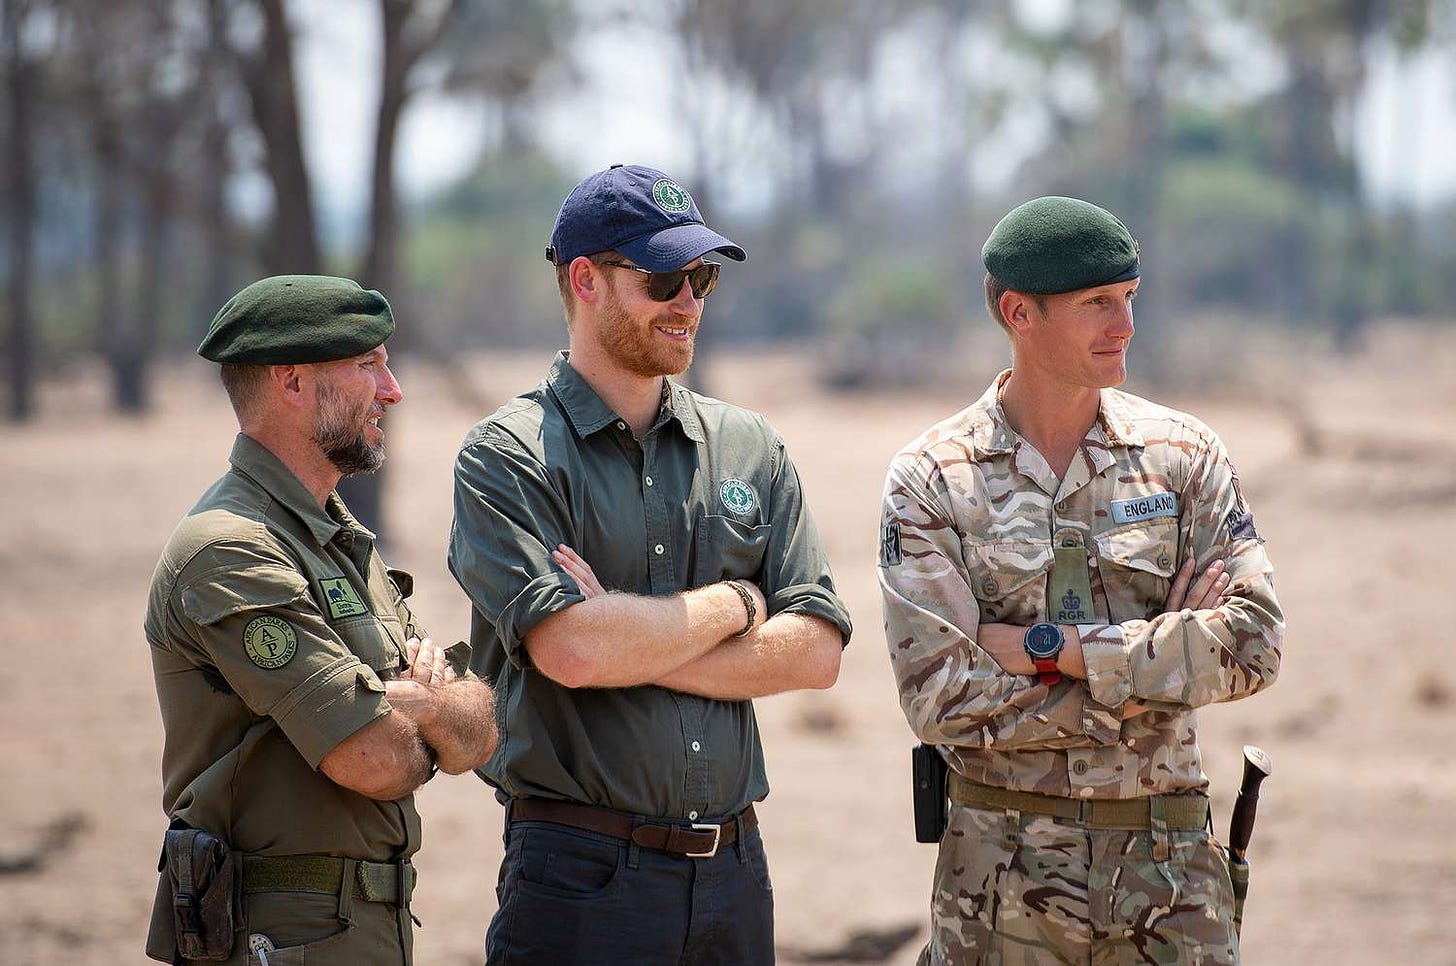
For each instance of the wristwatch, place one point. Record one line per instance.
(1043, 642)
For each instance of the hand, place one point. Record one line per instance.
(578, 570)
(1207, 592)
(411, 699)
(427, 663)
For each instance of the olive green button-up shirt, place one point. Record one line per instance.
(272, 622)
(707, 494)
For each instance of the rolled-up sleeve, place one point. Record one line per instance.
(251, 617)
(796, 576)
(508, 519)
(1187, 658)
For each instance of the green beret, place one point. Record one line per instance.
(290, 319)
(1052, 245)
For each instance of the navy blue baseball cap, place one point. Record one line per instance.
(639, 212)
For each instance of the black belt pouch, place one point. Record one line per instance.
(200, 885)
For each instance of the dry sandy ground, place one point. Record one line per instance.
(1352, 475)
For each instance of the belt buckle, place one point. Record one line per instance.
(717, 831)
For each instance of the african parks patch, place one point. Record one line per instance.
(670, 197)
(269, 641)
(738, 496)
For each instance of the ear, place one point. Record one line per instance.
(586, 280)
(290, 383)
(1016, 309)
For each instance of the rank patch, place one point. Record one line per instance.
(269, 641)
(342, 597)
(738, 496)
(1148, 507)
(890, 544)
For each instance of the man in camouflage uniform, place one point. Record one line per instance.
(1038, 563)
(301, 701)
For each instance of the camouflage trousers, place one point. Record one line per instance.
(1013, 889)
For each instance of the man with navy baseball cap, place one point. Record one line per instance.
(641, 564)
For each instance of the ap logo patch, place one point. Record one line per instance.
(671, 198)
(269, 641)
(342, 597)
(738, 496)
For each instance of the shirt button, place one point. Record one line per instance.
(647, 480)
(658, 549)
(693, 815)
(1164, 561)
(1079, 767)
(697, 747)
(621, 425)
(988, 585)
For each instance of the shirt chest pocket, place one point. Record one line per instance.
(378, 642)
(1137, 564)
(727, 549)
(1009, 579)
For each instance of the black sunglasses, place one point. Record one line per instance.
(664, 286)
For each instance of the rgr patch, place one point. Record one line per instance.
(1148, 507)
(670, 197)
(342, 597)
(738, 496)
(890, 544)
(269, 641)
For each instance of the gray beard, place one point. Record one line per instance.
(343, 445)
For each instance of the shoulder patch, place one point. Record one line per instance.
(342, 597)
(269, 641)
(890, 544)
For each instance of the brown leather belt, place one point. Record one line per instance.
(693, 840)
(1186, 812)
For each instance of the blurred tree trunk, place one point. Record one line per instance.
(214, 225)
(406, 37)
(268, 76)
(20, 207)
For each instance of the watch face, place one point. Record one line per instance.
(1043, 640)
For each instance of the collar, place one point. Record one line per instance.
(991, 433)
(258, 463)
(588, 413)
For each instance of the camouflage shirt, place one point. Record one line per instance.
(972, 517)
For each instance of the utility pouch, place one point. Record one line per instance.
(200, 873)
(929, 772)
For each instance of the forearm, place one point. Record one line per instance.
(1186, 659)
(385, 760)
(461, 726)
(789, 652)
(623, 640)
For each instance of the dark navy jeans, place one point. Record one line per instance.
(570, 898)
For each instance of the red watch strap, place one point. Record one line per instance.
(1046, 671)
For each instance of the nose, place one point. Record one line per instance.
(387, 389)
(684, 302)
(1122, 326)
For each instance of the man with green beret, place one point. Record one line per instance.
(642, 564)
(302, 703)
(1068, 572)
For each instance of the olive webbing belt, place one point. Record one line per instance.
(373, 881)
(1186, 812)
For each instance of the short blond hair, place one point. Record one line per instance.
(995, 288)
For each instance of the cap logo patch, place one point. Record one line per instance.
(738, 496)
(269, 641)
(343, 599)
(670, 198)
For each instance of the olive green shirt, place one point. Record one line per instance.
(707, 494)
(272, 623)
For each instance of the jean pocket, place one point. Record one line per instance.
(563, 863)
